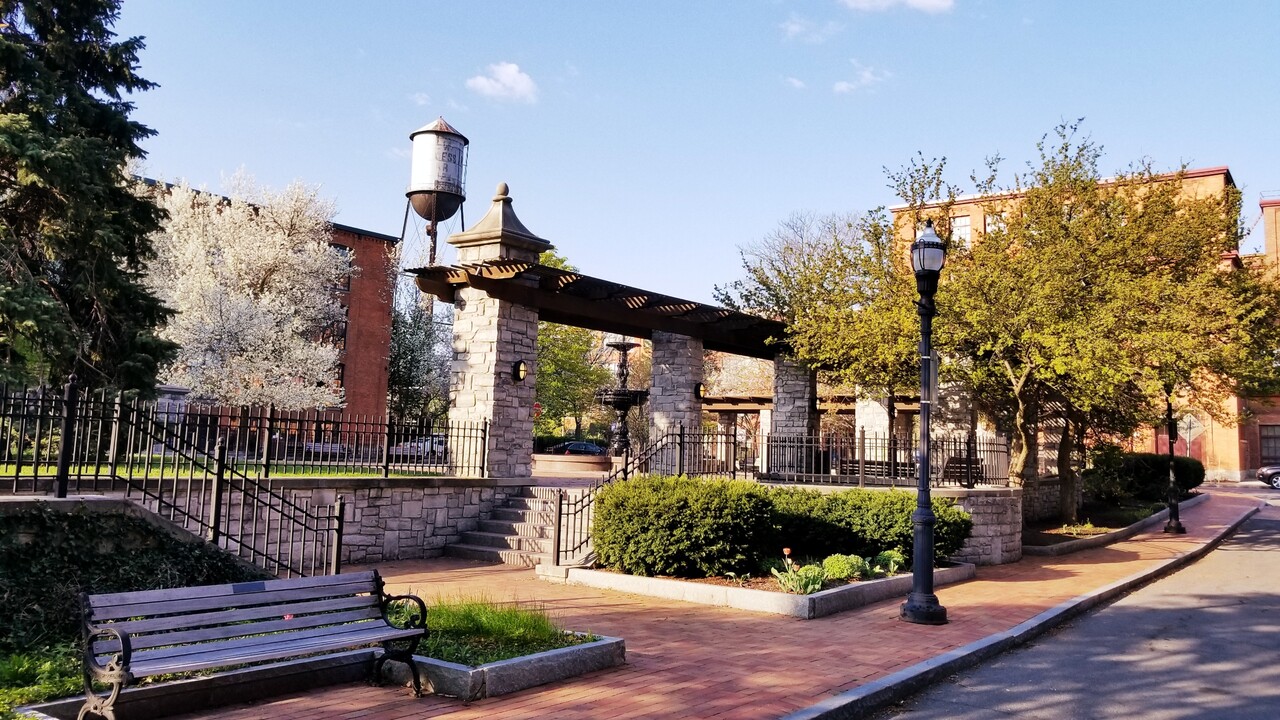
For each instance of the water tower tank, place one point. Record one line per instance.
(437, 170)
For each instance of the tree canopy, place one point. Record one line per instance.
(252, 279)
(74, 236)
(570, 367)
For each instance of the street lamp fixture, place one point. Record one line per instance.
(928, 255)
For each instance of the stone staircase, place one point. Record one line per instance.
(517, 533)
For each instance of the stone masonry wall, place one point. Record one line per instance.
(489, 337)
(404, 518)
(997, 524)
(795, 390)
(677, 368)
(1040, 501)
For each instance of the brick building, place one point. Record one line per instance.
(365, 337)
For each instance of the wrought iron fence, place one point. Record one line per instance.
(211, 470)
(861, 461)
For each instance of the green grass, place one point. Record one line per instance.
(37, 676)
(473, 631)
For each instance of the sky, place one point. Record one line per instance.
(650, 141)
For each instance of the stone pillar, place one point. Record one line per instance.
(490, 336)
(677, 367)
(792, 441)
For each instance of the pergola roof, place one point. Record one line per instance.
(571, 298)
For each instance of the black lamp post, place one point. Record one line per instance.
(927, 257)
(1174, 525)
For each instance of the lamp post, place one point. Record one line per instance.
(1174, 525)
(927, 257)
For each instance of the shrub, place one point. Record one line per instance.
(694, 528)
(801, 580)
(889, 562)
(1148, 474)
(845, 567)
(1105, 479)
(681, 526)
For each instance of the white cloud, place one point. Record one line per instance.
(929, 6)
(864, 76)
(420, 99)
(808, 31)
(505, 81)
(796, 83)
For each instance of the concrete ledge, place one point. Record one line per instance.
(857, 703)
(1071, 546)
(545, 463)
(819, 604)
(508, 676)
(226, 688)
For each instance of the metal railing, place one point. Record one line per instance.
(211, 470)
(857, 461)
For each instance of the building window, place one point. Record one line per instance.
(1270, 437)
(344, 284)
(993, 222)
(340, 376)
(335, 333)
(960, 231)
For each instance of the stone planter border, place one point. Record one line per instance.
(805, 607)
(1065, 548)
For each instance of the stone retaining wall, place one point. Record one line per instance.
(997, 524)
(1040, 501)
(404, 518)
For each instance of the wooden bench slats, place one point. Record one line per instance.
(287, 646)
(221, 617)
(195, 591)
(144, 641)
(249, 599)
(239, 644)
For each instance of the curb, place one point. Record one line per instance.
(875, 695)
(1066, 548)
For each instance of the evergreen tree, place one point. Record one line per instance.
(75, 237)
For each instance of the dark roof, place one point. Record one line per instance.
(571, 298)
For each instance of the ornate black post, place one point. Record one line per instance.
(922, 606)
(1174, 525)
(622, 399)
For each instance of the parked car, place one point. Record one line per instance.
(576, 447)
(1270, 475)
(432, 448)
(326, 450)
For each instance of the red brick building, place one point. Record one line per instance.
(364, 339)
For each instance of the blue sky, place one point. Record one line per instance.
(650, 140)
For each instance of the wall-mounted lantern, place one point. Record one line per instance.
(519, 371)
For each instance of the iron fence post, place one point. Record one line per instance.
(484, 449)
(733, 443)
(968, 461)
(680, 452)
(386, 448)
(335, 553)
(268, 428)
(556, 528)
(117, 423)
(65, 443)
(626, 462)
(219, 479)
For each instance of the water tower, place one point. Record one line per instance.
(436, 176)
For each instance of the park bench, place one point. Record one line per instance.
(133, 635)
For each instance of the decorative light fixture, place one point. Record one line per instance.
(519, 371)
(928, 255)
(700, 391)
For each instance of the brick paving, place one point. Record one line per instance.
(693, 661)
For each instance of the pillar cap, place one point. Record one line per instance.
(500, 227)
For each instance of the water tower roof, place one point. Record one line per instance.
(440, 126)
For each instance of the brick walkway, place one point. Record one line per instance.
(692, 661)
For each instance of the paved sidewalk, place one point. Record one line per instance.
(692, 661)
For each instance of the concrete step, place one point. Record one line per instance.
(490, 554)
(529, 503)
(506, 542)
(531, 530)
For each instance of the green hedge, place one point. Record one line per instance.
(687, 527)
(1117, 475)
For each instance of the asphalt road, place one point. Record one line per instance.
(1202, 643)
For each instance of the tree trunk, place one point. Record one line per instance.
(1066, 475)
(1024, 454)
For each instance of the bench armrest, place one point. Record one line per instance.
(416, 622)
(117, 668)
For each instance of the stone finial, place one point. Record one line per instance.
(499, 234)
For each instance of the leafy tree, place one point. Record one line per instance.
(570, 368)
(74, 236)
(418, 366)
(251, 278)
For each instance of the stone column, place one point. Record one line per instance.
(793, 433)
(677, 367)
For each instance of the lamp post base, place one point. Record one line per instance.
(1175, 527)
(923, 609)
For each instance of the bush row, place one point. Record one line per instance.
(687, 527)
(1117, 475)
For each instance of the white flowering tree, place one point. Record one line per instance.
(251, 279)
